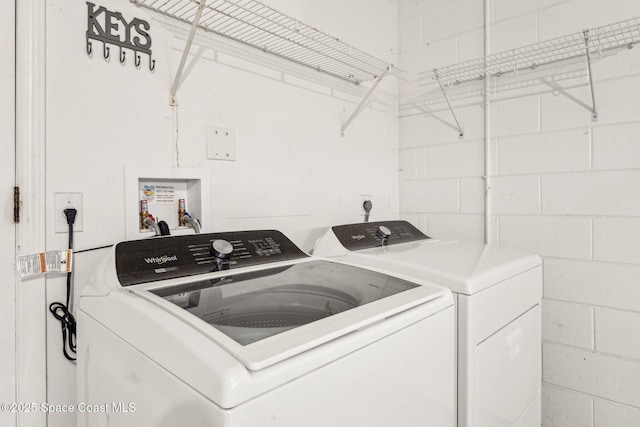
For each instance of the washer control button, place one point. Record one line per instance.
(383, 232)
(221, 249)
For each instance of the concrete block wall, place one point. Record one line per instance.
(440, 174)
(562, 185)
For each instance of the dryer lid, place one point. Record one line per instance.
(464, 267)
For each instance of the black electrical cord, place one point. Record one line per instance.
(61, 311)
(93, 249)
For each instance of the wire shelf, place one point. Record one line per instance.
(255, 24)
(613, 36)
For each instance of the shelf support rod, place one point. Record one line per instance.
(446, 98)
(185, 54)
(594, 111)
(362, 104)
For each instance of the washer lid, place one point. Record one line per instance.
(262, 317)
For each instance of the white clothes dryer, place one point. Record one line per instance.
(243, 329)
(498, 293)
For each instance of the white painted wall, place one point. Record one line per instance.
(7, 228)
(562, 186)
(293, 171)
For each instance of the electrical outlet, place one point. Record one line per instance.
(364, 198)
(62, 201)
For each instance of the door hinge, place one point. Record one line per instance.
(16, 204)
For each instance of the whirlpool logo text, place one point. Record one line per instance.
(159, 260)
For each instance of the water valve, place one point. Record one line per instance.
(181, 212)
(144, 213)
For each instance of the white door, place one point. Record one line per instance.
(23, 23)
(7, 226)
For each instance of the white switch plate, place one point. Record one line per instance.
(221, 143)
(62, 201)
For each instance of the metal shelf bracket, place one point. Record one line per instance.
(594, 111)
(185, 54)
(362, 104)
(446, 98)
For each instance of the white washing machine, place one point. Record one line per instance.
(243, 329)
(498, 293)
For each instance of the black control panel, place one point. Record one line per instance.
(367, 235)
(141, 261)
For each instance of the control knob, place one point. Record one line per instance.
(221, 250)
(383, 233)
